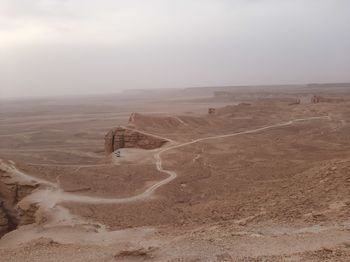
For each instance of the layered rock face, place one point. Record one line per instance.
(4, 221)
(121, 137)
(11, 193)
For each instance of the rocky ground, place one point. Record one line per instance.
(276, 194)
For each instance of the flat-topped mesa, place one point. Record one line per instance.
(143, 121)
(121, 137)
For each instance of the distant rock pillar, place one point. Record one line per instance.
(211, 110)
(315, 99)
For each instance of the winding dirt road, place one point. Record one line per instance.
(52, 194)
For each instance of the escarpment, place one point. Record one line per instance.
(320, 99)
(11, 193)
(121, 137)
(143, 121)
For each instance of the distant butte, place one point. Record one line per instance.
(122, 137)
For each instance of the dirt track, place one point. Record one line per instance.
(55, 194)
(257, 196)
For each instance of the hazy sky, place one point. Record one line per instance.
(50, 47)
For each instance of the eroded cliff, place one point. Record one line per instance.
(11, 193)
(121, 137)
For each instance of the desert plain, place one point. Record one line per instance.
(256, 173)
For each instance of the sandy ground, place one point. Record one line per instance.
(247, 184)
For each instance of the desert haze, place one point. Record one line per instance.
(244, 174)
(174, 131)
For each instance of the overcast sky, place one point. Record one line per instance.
(59, 47)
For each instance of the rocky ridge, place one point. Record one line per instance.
(320, 99)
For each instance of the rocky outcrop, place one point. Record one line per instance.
(227, 109)
(11, 193)
(319, 99)
(141, 121)
(122, 137)
(26, 214)
(211, 110)
(4, 221)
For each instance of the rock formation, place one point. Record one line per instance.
(11, 193)
(4, 221)
(211, 110)
(319, 99)
(121, 137)
(143, 121)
